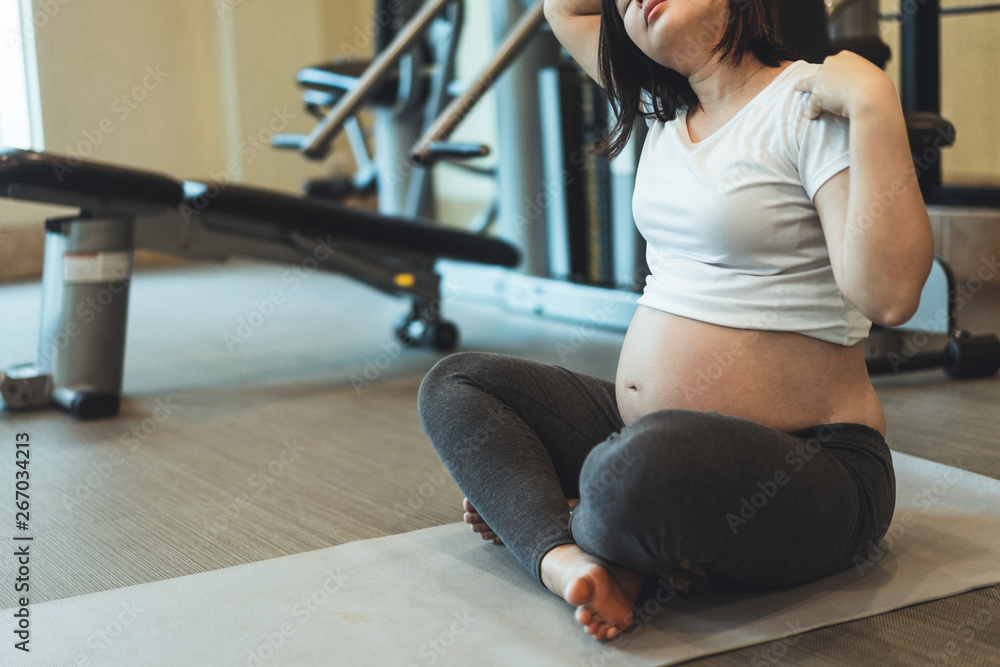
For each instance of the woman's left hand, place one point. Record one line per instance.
(842, 83)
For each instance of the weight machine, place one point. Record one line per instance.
(525, 47)
(397, 251)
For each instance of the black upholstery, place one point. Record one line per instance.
(804, 29)
(89, 180)
(928, 130)
(318, 218)
(55, 179)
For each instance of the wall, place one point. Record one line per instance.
(183, 87)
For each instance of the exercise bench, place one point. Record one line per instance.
(89, 258)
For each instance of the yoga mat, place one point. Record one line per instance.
(441, 596)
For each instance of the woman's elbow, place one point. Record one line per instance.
(898, 314)
(905, 300)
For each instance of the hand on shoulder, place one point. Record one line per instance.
(846, 84)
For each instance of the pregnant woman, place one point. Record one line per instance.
(742, 434)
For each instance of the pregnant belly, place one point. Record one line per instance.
(778, 378)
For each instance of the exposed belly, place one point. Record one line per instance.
(778, 378)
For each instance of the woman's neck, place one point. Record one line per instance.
(723, 89)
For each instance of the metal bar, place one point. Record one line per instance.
(974, 9)
(953, 195)
(950, 11)
(319, 139)
(920, 43)
(885, 365)
(456, 112)
(920, 46)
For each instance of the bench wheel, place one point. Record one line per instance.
(440, 334)
(972, 356)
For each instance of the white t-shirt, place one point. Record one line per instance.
(732, 235)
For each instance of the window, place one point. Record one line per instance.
(20, 110)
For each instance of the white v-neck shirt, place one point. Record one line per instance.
(732, 235)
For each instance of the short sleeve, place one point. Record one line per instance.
(823, 147)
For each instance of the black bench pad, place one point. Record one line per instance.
(70, 178)
(316, 218)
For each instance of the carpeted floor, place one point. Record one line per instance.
(231, 449)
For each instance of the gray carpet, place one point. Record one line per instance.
(229, 456)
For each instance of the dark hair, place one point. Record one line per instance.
(626, 72)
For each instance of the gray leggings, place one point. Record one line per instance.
(753, 506)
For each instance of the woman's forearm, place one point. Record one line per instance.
(888, 244)
(577, 26)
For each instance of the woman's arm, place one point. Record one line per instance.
(577, 26)
(874, 217)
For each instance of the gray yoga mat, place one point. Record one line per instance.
(441, 596)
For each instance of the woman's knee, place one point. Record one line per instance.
(449, 370)
(656, 462)
(644, 446)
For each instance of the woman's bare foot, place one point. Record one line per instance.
(602, 593)
(478, 525)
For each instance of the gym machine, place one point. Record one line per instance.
(88, 256)
(854, 26)
(814, 29)
(88, 261)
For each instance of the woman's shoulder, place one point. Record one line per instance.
(787, 96)
(795, 72)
